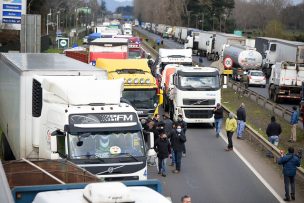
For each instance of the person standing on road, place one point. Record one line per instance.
(162, 148)
(183, 124)
(186, 199)
(273, 131)
(231, 126)
(290, 163)
(178, 138)
(293, 122)
(218, 117)
(241, 121)
(168, 123)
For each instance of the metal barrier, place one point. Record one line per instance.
(261, 100)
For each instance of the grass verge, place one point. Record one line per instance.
(259, 118)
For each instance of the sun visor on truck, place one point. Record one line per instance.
(76, 90)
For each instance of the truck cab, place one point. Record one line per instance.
(195, 94)
(96, 131)
(172, 56)
(140, 87)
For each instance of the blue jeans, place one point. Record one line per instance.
(274, 139)
(289, 180)
(162, 165)
(178, 159)
(218, 125)
(240, 128)
(172, 156)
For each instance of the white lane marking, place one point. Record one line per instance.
(255, 172)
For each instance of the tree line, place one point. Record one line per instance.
(274, 18)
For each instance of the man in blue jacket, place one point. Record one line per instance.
(290, 163)
(294, 122)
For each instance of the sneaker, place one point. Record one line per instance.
(217, 135)
(293, 196)
(163, 175)
(184, 155)
(175, 171)
(240, 138)
(159, 172)
(286, 199)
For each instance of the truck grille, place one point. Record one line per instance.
(199, 101)
(198, 113)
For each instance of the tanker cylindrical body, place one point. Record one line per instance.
(242, 57)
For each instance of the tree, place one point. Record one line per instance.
(275, 29)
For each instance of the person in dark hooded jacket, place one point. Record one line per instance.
(177, 139)
(290, 163)
(162, 148)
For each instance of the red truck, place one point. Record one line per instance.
(109, 48)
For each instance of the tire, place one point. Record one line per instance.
(270, 93)
(276, 98)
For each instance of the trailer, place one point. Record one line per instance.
(285, 82)
(243, 59)
(217, 41)
(276, 50)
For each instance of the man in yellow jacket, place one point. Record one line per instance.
(231, 126)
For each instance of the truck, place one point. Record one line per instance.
(216, 42)
(134, 46)
(192, 42)
(127, 29)
(115, 48)
(243, 59)
(54, 107)
(285, 82)
(168, 32)
(177, 33)
(140, 87)
(184, 34)
(277, 50)
(172, 56)
(33, 181)
(194, 94)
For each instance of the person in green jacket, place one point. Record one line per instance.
(231, 126)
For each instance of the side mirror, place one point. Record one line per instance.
(57, 133)
(175, 79)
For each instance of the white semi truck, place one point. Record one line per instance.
(216, 42)
(54, 107)
(172, 56)
(194, 94)
(276, 50)
(285, 82)
(243, 59)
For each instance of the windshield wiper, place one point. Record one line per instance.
(129, 155)
(89, 157)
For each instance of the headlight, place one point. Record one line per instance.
(148, 81)
(142, 80)
(136, 80)
(129, 80)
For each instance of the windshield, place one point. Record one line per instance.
(134, 54)
(141, 99)
(199, 82)
(106, 145)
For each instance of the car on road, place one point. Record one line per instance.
(256, 78)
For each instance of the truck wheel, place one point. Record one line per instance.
(270, 94)
(6, 152)
(276, 98)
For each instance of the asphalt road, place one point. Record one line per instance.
(174, 45)
(210, 174)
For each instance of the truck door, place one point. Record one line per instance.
(271, 54)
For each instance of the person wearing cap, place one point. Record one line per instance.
(231, 126)
(218, 118)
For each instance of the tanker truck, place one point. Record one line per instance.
(237, 58)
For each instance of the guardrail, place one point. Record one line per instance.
(261, 100)
(264, 102)
(252, 134)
